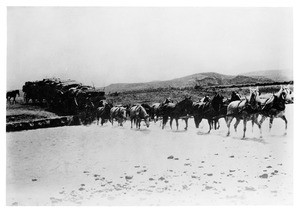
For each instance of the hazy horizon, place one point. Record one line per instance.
(105, 45)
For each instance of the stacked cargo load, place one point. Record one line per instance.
(66, 97)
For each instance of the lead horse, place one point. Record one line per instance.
(274, 107)
(175, 111)
(244, 110)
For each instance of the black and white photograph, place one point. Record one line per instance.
(149, 106)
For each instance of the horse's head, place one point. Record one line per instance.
(254, 98)
(286, 94)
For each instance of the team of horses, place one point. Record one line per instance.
(245, 109)
(249, 108)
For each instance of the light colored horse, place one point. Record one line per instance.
(244, 110)
(118, 113)
(274, 107)
(137, 113)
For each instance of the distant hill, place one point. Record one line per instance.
(199, 79)
(275, 75)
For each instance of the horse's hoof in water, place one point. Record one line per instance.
(285, 134)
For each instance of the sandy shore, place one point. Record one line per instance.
(94, 165)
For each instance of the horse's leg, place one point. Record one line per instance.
(255, 120)
(228, 122)
(245, 127)
(176, 119)
(131, 122)
(271, 122)
(210, 122)
(285, 120)
(171, 121)
(98, 119)
(216, 121)
(236, 124)
(199, 121)
(263, 118)
(252, 122)
(186, 123)
(164, 121)
(196, 121)
(102, 121)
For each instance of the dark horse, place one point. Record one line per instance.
(176, 111)
(209, 110)
(13, 95)
(103, 112)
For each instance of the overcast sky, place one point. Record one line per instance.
(111, 45)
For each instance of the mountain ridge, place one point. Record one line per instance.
(204, 79)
